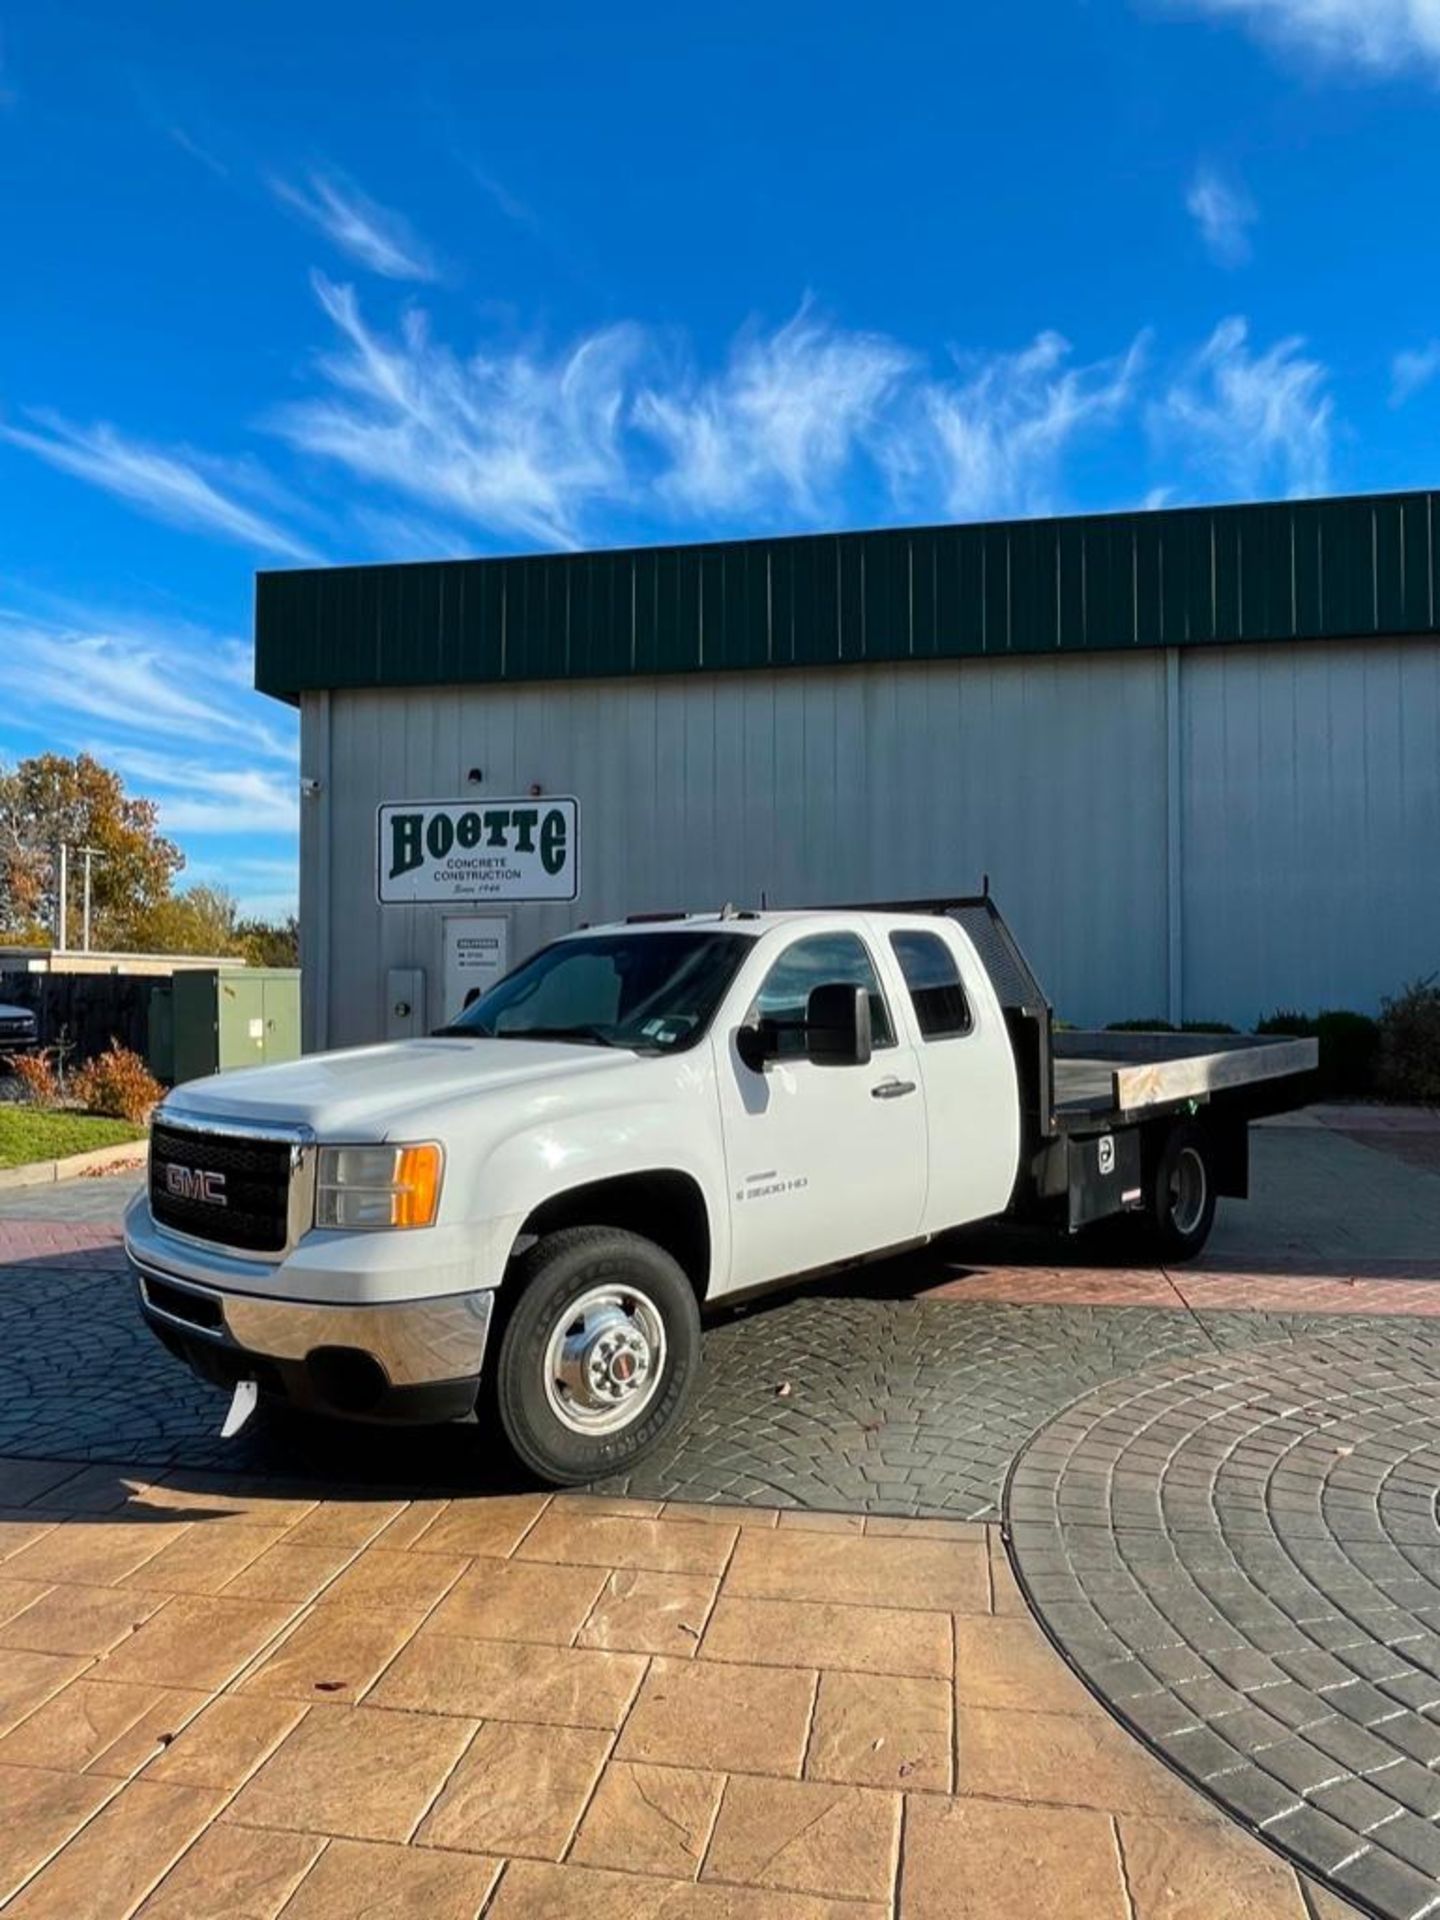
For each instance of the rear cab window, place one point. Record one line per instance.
(932, 976)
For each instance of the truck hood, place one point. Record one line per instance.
(370, 1093)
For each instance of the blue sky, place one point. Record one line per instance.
(288, 284)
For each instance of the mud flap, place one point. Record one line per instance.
(246, 1398)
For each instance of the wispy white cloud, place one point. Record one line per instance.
(401, 535)
(168, 484)
(523, 442)
(562, 447)
(1378, 35)
(514, 441)
(188, 144)
(994, 439)
(243, 867)
(784, 419)
(264, 886)
(168, 711)
(233, 661)
(1411, 370)
(378, 238)
(195, 796)
(1249, 421)
(501, 197)
(1224, 213)
(72, 675)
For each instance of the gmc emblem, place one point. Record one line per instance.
(189, 1183)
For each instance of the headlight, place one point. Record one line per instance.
(377, 1186)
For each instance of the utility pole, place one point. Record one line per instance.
(90, 853)
(64, 890)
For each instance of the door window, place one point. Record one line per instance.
(933, 978)
(824, 959)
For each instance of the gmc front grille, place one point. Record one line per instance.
(225, 1188)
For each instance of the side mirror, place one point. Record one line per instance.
(837, 1026)
(757, 1044)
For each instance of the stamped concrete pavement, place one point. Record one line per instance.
(224, 1696)
(908, 1391)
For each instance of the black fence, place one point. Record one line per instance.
(83, 1011)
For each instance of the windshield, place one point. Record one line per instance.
(652, 991)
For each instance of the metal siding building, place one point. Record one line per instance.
(1198, 753)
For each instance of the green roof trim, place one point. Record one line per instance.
(1301, 570)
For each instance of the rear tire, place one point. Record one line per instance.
(599, 1355)
(1180, 1194)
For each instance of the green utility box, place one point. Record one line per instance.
(211, 1020)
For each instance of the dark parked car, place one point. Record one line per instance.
(17, 1029)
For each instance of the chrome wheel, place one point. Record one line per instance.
(1189, 1191)
(604, 1360)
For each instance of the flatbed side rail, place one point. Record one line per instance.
(1155, 1070)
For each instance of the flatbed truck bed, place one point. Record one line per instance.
(1103, 1079)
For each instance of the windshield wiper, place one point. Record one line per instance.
(582, 1031)
(587, 1035)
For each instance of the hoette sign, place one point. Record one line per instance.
(479, 850)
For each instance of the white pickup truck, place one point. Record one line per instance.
(530, 1209)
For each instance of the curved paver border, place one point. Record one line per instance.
(1241, 1555)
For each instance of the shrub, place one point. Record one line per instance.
(38, 1078)
(1157, 1025)
(117, 1082)
(1349, 1047)
(1409, 1062)
(1289, 1023)
(1349, 1051)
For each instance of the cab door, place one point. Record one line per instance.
(824, 1162)
(972, 1094)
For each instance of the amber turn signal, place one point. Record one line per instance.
(417, 1186)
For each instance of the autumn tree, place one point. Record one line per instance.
(49, 800)
(200, 920)
(267, 943)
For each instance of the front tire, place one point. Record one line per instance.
(599, 1355)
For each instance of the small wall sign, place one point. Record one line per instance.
(446, 850)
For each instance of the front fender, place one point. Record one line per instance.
(545, 1161)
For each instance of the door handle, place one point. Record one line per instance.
(892, 1089)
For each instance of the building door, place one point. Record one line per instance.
(477, 954)
(823, 1162)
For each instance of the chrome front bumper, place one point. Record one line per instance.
(415, 1342)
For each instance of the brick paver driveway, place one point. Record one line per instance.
(904, 1394)
(906, 1389)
